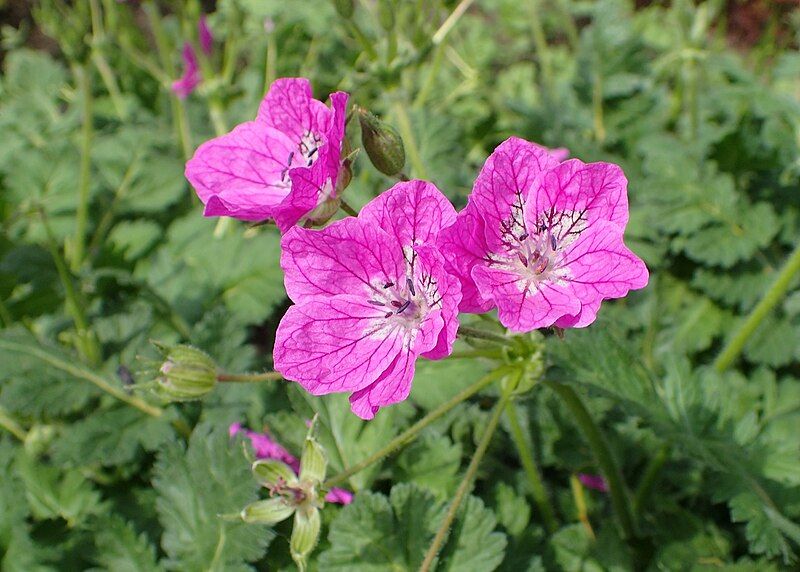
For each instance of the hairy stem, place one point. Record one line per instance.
(771, 298)
(468, 332)
(249, 377)
(531, 470)
(83, 78)
(472, 469)
(410, 142)
(602, 452)
(649, 478)
(10, 424)
(83, 373)
(409, 434)
(345, 206)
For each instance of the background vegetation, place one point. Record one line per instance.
(103, 249)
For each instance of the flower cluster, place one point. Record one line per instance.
(540, 240)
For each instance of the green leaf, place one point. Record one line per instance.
(432, 462)
(196, 486)
(134, 238)
(377, 533)
(112, 437)
(121, 549)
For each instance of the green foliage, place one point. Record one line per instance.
(379, 533)
(706, 134)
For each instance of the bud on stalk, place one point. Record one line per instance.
(382, 142)
(186, 373)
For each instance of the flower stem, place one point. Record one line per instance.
(540, 42)
(409, 434)
(531, 470)
(603, 456)
(472, 468)
(347, 208)
(774, 295)
(651, 474)
(468, 332)
(10, 424)
(451, 21)
(580, 504)
(249, 377)
(84, 80)
(83, 373)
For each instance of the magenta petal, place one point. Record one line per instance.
(595, 482)
(339, 496)
(524, 305)
(347, 257)
(340, 343)
(393, 386)
(413, 212)
(463, 246)
(444, 326)
(243, 169)
(206, 38)
(601, 267)
(504, 185)
(191, 73)
(290, 107)
(597, 189)
(335, 137)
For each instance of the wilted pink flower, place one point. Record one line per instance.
(191, 73)
(205, 36)
(281, 166)
(265, 447)
(595, 482)
(542, 240)
(371, 295)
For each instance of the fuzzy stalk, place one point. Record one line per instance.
(469, 476)
(410, 434)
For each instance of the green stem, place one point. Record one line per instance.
(649, 478)
(470, 354)
(10, 424)
(468, 332)
(5, 315)
(451, 21)
(409, 434)
(430, 78)
(531, 470)
(217, 114)
(774, 295)
(82, 373)
(580, 504)
(249, 377)
(270, 65)
(347, 208)
(87, 343)
(602, 452)
(183, 132)
(366, 44)
(84, 81)
(472, 469)
(540, 42)
(100, 62)
(407, 133)
(597, 105)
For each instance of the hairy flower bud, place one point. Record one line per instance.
(187, 373)
(382, 142)
(345, 8)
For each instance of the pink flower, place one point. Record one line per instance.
(371, 295)
(191, 73)
(267, 448)
(205, 36)
(595, 482)
(541, 240)
(281, 166)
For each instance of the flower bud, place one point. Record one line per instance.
(269, 511)
(305, 535)
(382, 142)
(187, 373)
(345, 8)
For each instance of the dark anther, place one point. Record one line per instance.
(388, 285)
(523, 236)
(553, 242)
(289, 160)
(376, 303)
(540, 267)
(388, 314)
(522, 259)
(410, 286)
(396, 304)
(313, 152)
(404, 306)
